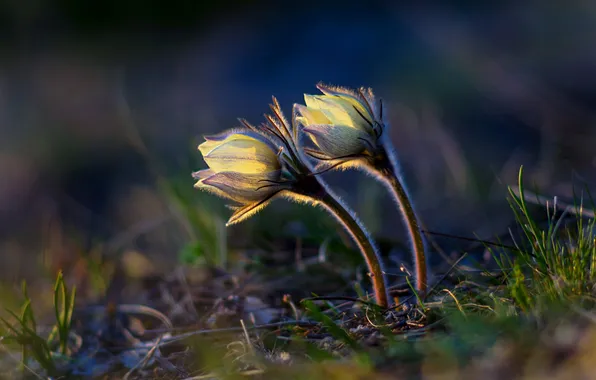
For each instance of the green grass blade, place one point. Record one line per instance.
(335, 330)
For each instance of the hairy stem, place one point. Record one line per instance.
(361, 237)
(386, 168)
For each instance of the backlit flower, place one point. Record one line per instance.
(343, 124)
(240, 161)
(251, 165)
(347, 129)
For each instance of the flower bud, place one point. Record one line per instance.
(253, 164)
(341, 123)
(243, 166)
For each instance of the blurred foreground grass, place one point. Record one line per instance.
(532, 317)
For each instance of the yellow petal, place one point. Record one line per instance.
(310, 116)
(208, 145)
(239, 153)
(212, 142)
(313, 102)
(341, 110)
(336, 90)
(364, 99)
(346, 111)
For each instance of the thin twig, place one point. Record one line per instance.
(474, 240)
(10, 355)
(177, 338)
(340, 298)
(455, 264)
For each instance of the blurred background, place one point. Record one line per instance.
(102, 105)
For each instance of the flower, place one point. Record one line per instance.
(347, 129)
(343, 124)
(251, 165)
(239, 162)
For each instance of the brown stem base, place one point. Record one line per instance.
(385, 170)
(319, 194)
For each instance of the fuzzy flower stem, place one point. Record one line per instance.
(359, 235)
(386, 168)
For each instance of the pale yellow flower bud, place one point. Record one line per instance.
(243, 166)
(347, 129)
(341, 123)
(242, 152)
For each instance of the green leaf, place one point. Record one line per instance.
(192, 254)
(335, 330)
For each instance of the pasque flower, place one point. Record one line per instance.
(254, 164)
(239, 162)
(246, 167)
(344, 125)
(348, 130)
